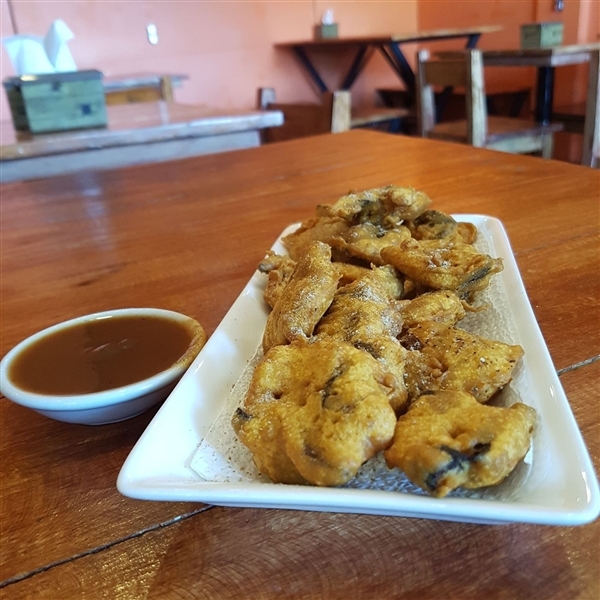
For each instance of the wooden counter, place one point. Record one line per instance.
(187, 235)
(136, 134)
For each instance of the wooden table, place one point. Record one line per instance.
(389, 45)
(187, 236)
(545, 59)
(136, 134)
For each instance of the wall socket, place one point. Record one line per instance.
(152, 33)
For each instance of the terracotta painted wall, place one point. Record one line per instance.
(226, 47)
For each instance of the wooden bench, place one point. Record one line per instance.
(572, 116)
(136, 134)
(333, 115)
(507, 103)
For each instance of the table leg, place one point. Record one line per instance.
(544, 95)
(472, 40)
(310, 68)
(394, 55)
(358, 64)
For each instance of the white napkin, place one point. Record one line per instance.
(35, 55)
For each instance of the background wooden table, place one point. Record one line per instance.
(141, 133)
(187, 236)
(390, 47)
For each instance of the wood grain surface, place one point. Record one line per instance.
(187, 236)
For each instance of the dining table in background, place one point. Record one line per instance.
(137, 133)
(545, 60)
(187, 235)
(390, 47)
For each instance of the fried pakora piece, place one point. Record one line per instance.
(467, 231)
(304, 300)
(365, 314)
(386, 207)
(435, 225)
(259, 427)
(321, 229)
(279, 270)
(366, 241)
(350, 272)
(392, 279)
(315, 412)
(442, 265)
(442, 306)
(448, 440)
(447, 358)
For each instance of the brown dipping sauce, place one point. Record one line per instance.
(99, 355)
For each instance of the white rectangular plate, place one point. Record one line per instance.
(557, 484)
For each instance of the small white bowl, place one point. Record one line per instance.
(108, 406)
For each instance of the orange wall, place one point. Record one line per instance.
(225, 47)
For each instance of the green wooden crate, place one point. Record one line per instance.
(326, 31)
(541, 35)
(57, 101)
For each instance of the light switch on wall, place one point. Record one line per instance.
(152, 33)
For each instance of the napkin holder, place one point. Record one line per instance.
(541, 35)
(57, 101)
(327, 28)
(324, 31)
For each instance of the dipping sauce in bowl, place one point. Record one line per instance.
(102, 367)
(101, 354)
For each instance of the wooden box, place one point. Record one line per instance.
(57, 101)
(326, 31)
(541, 35)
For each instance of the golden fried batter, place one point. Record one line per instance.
(346, 351)
(386, 207)
(435, 225)
(448, 440)
(366, 241)
(279, 270)
(448, 358)
(467, 231)
(304, 299)
(365, 315)
(442, 265)
(349, 272)
(322, 229)
(442, 306)
(316, 412)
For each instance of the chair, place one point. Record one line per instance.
(332, 115)
(465, 70)
(591, 129)
(583, 117)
